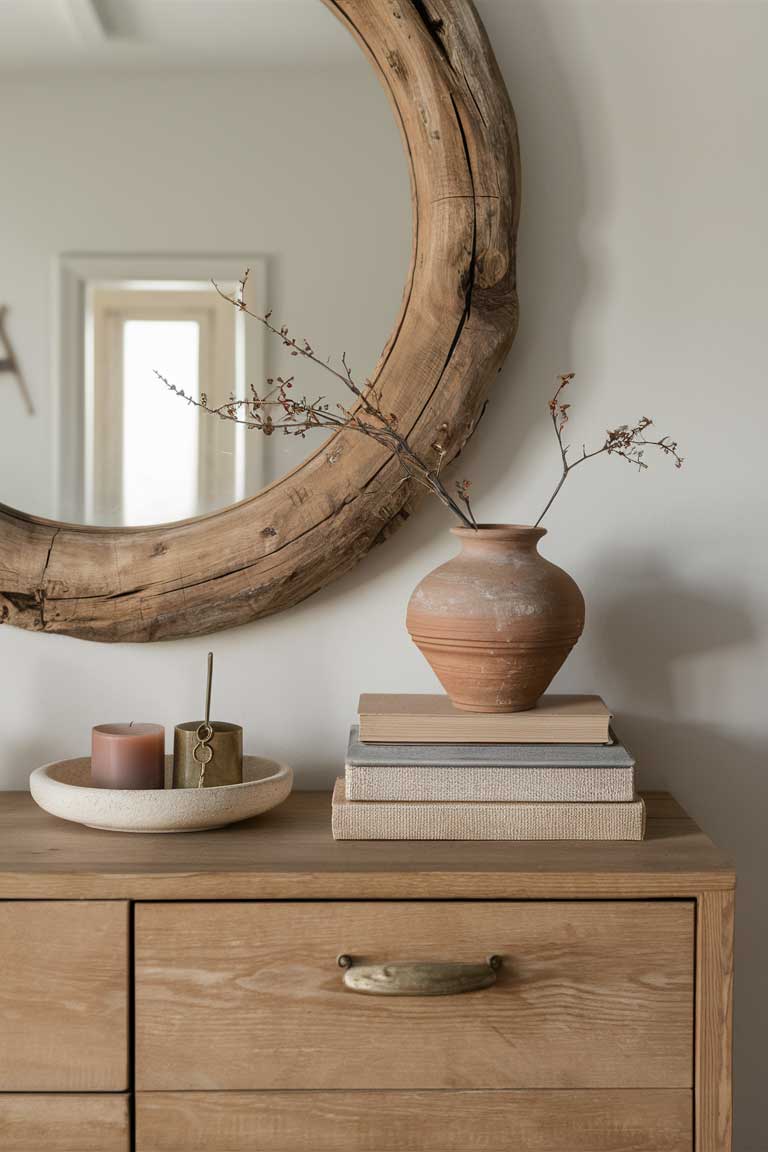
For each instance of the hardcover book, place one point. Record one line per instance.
(546, 773)
(392, 820)
(401, 718)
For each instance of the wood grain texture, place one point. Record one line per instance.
(71, 1123)
(250, 996)
(457, 322)
(289, 853)
(413, 1122)
(714, 1021)
(63, 997)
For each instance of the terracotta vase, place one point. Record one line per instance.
(498, 620)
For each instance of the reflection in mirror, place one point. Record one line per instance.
(137, 453)
(151, 149)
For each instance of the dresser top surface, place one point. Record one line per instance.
(289, 853)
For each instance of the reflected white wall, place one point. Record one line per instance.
(302, 166)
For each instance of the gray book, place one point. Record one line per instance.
(390, 820)
(543, 773)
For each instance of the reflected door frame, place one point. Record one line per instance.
(74, 275)
(216, 477)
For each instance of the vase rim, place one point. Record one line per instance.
(500, 532)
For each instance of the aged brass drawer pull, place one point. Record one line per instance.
(406, 978)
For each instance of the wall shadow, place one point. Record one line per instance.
(556, 274)
(566, 183)
(646, 630)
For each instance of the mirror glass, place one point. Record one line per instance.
(152, 150)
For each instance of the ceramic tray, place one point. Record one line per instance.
(64, 790)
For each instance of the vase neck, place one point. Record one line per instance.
(500, 538)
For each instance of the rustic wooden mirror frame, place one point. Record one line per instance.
(457, 322)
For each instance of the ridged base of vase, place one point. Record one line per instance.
(506, 678)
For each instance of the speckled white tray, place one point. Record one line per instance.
(64, 790)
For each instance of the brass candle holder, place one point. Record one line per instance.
(207, 754)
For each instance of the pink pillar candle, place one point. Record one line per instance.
(128, 756)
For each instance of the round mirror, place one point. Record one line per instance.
(178, 143)
(153, 149)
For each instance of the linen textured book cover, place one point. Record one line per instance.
(390, 820)
(402, 718)
(489, 772)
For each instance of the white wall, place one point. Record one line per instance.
(642, 267)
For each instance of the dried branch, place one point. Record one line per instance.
(627, 442)
(278, 410)
(462, 491)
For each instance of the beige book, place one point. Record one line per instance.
(404, 782)
(402, 718)
(418, 820)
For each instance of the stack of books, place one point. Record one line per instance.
(419, 769)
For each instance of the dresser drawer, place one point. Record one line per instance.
(74, 1123)
(250, 996)
(63, 996)
(647, 1121)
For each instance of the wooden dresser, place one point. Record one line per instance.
(184, 993)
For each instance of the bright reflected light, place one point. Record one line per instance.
(160, 431)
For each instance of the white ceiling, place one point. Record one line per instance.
(46, 35)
